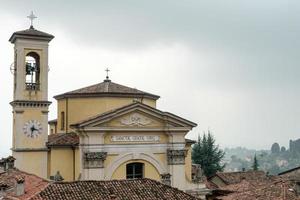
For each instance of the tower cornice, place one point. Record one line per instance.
(24, 103)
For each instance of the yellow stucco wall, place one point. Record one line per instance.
(62, 161)
(61, 107)
(149, 170)
(188, 164)
(77, 163)
(78, 109)
(109, 159)
(21, 140)
(52, 128)
(32, 162)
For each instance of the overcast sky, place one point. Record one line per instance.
(231, 66)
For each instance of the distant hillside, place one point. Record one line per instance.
(275, 160)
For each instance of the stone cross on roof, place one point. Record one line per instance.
(31, 17)
(107, 70)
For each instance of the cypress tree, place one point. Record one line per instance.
(206, 153)
(255, 164)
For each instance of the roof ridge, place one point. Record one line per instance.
(105, 88)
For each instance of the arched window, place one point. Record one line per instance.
(135, 170)
(32, 71)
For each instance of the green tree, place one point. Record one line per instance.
(255, 164)
(206, 153)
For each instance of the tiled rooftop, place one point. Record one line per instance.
(32, 183)
(236, 177)
(31, 33)
(269, 189)
(63, 139)
(139, 189)
(107, 88)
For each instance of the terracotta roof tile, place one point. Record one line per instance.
(63, 139)
(139, 189)
(272, 189)
(236, 177)
(32, 183)
(106, 88)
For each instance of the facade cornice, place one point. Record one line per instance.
(150, 129)
(29, 149)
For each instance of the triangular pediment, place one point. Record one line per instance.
(136, 118)
(136, 115)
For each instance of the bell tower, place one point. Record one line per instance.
(30, 100)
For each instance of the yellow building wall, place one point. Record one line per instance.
(77, 163)
(21, 140)
(52, 128)
(162, 157)
(109, 159)
(62, 161)
(149, 171)
(61, 107)
(188, 164)
(32, 162)
(78, 109)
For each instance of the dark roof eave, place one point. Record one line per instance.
(54, 121)
(290, 170)
(109, 94)
(188, 141)
(14, 36)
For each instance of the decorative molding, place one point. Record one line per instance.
(132, 147)
(166, 178)
(45, 112)
(176, 157)
(19, 111)
(29, 149)
(136, 119)
(173, 130)
(94, 159)
(30, 103)
(122, 158)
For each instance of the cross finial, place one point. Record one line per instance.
(31, 17)
(107, 70)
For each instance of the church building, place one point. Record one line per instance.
(102, 132)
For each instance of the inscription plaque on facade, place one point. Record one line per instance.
(94, 159)
(135, 138)
(176, 157)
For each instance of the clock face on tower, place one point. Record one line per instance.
(32, 128)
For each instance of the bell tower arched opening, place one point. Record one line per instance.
(32, 68)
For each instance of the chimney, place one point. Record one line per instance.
(2, 164)
(10, 162)
(20, 190)
(3, 188)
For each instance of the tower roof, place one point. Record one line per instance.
(31, 33)
(107, 88)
